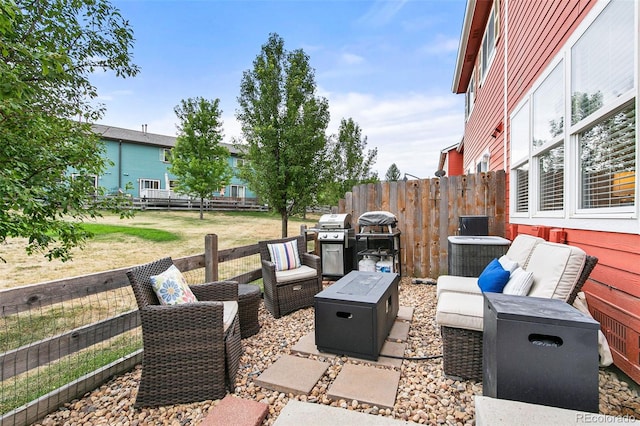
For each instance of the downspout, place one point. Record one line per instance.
(504, 90)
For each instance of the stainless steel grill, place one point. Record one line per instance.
(336, 238)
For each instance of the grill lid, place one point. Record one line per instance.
(377, 218)
(335, 221)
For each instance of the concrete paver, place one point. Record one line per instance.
(307, 346)
(235, 411)
(292, 374)
(405, 313)
(370, 385)
(297, 413)
(399, 331)
(503, 412)
(365, 383)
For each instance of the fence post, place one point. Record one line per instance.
(210, 258)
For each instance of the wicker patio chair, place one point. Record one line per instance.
(287, 291)
(462, 348)
(188, 354)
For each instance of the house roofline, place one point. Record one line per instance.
(475, 19)
(444, 151)
(118, 134)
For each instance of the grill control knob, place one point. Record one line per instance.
(335, 235)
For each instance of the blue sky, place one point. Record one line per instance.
(387, 64)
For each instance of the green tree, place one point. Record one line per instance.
(48, 51)
(198, 160)
(349, 164)
(283, 125)
(393, 173)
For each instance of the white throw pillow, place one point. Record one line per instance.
(508, 264)
(520, 283)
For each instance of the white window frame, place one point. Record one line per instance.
(612, 219)
(482, 162)
(165, 155)
(488, 49)
(470, 95)
(525, 108)
(240, 191)
(75, 176)
(155, 184)
(537, 152)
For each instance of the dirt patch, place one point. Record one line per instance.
(119, 250)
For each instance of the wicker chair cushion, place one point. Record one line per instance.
(300, 273)
(457, 284)
(171, 287)
(521, 248)
(229, 313)
(285, 255)
(460, 310)
(556, 269)
(519, 283)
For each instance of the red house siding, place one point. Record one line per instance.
(455, 165)
(537, 31)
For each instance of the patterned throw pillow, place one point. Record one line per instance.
(285, 255)
(171, 287)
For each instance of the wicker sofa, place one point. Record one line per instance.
(559, 271)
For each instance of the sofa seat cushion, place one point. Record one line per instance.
(230, 310)
(460, 310)
(521, 248)
(300, 273)
(457, 284)
(556, 270)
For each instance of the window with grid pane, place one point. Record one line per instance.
(521, 175)
(548, 108)
(602, 61)
(607, 161)
(520, 134)
(551, 179)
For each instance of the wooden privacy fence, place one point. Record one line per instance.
(43, 325)
(428, 211)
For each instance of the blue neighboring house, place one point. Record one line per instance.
(143, 159)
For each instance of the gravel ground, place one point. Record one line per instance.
(424, 394)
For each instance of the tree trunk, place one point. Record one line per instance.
(201, 208)
(285, 222)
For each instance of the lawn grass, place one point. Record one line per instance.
(113, 237)
(150, 234)
(29, 387)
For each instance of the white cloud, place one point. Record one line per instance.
(352, 59)
(381, 12)
(409, 129)
(114, 94)
(441, 45)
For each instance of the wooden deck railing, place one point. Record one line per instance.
(97, 308)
